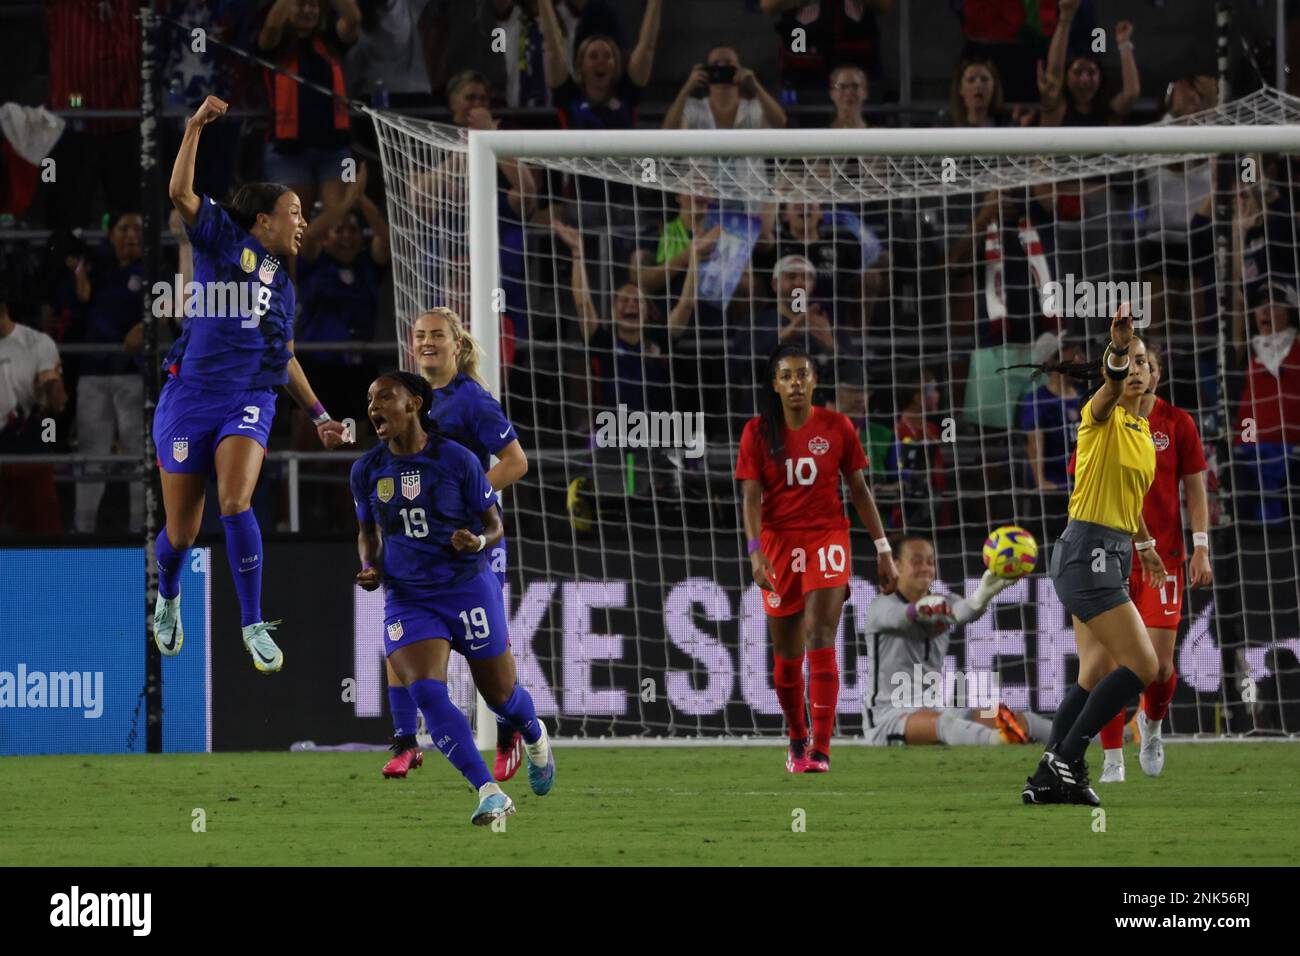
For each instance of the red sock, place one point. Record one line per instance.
(824, 694)
(1112, 735)
(787, 678)
(1158, 695)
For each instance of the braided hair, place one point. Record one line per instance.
(770, 408)
(1085, 372)
(417, 386)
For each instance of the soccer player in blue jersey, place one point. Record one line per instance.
(216, 407)
(428, 517)
(463, 409)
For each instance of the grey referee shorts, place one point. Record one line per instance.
(1089, 566)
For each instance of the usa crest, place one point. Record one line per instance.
(395, 631)
(1161, 440)
(266, 271)
(248, 260)
(819, 445)
(411, 485)
(384, 490)
(180, 449)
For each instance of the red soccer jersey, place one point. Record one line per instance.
(803, 492)
(1178, 453)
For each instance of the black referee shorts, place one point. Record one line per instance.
(1089, 566)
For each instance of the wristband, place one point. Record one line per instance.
(754, 545)
(1201, 539)
(366, 565)
(1126, 45)
(482, 542)
(1116, 373)
(882, 546)
(318, 414)
(1146, 545)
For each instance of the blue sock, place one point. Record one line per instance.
(169, 566)
(402, 704)
(244, 552)
(518, 712)
(450, 730)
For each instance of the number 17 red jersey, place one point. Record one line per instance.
(803, 492)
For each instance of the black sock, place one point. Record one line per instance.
(1066, 715)
(1105, 700)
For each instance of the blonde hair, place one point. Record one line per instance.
(586, 44)
(468, 351)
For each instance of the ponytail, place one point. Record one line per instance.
(468, 352)
(1085, 372)
(769, 403)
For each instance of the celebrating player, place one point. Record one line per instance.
(462, 409)
(907, 638)
(430, 500)
(1091, 562)
(217, 405)
(1179, 456)
(791, 457)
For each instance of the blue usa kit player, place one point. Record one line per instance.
(427, 517)
(216, 407)
(462, 408)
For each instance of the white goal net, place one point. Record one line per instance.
(638, 293)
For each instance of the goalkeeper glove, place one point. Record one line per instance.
(990, 586)
(932, 609)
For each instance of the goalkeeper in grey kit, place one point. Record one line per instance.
(907, 634)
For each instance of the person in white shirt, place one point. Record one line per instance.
(722, 94)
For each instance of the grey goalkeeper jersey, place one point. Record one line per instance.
(896, 645)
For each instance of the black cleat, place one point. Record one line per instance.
(1043, 786)
(1073, 780)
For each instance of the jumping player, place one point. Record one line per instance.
(217, 404)
(427, 517)
(791, 459)
(462, 409)
(1179, 457)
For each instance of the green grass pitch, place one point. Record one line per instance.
(1218, 804)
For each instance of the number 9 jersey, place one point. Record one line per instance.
(805, 533)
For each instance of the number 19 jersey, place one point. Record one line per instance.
(803, 491)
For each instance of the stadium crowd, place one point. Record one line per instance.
(606, 298)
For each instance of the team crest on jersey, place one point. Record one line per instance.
(248, 260)
(395, 631)
(411, 485)
(384, 490)
(1161, 440)
(819, 445)
(266, 271)
(773, 599)
(180, 448)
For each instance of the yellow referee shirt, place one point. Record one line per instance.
(1114, 467)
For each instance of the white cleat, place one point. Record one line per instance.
(1112, 770)
(1151, 755)
(168, 633)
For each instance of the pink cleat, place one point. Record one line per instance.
(796, 757)
(818, 762)
(406, 756)
(510, 755)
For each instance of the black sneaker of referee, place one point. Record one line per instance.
(1044, 786)
(1074, 783)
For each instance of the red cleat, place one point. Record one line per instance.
(796, 757)
(404, 759)
(818, 762)
(510, 755)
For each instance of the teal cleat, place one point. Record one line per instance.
(168, 633)
(541, 772)
(493, 806)
(267, 658)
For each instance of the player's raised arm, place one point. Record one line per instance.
(181, 187)
(865, 505)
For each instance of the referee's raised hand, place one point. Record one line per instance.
(1121, 327)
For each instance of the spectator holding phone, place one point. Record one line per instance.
(722, 94)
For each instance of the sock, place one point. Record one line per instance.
(1114, 690)
(1066, 715)
(519, 714)
(244, 552)
(1112, 735)
(402, 704)
(450, 730)
(1158, 695)
(169, 566)
(1038, 726)
(955, 729)
(787, 678)
(1113, 754)
(823, 694)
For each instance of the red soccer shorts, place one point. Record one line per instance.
(803, 561)
(1160, 607)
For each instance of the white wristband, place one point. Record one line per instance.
(482, 541)
(1201, 539)
(1116, 368)
(1146, 545)
(882, 546)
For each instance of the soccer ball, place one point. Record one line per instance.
(1010, 552)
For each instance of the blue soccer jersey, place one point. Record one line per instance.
(466, 411)
(238, 327)
(417, 502)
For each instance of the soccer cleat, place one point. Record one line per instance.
(406, 756)
(1073, 778)
(267, 658)
(493, 806)
(1008, 727)
(541, 776)
(796, 757)
(510, 754)
(1151, 755)
(1112, 769)
(168, 633)
(1043, 786)
(818, 762)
